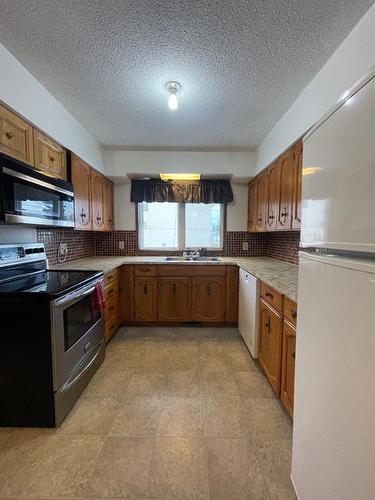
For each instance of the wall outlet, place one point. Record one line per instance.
(245, 246)
(121, 245)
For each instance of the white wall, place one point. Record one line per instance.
(17, 234)
(119, 163)
(125, 210)
(353, 58)
(22, 92)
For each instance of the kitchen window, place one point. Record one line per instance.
(180, 226)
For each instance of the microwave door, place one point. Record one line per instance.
(29, 200)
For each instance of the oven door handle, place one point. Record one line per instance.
(68, 384)
(74, 297)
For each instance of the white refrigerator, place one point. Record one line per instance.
(334, 413)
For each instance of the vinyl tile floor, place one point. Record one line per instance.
(173, 413)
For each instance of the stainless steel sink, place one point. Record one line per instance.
(192, 259)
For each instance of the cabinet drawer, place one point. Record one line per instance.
(16, 136)
(110, 328)
(111, 277)
(290, 310)
(272, 296)
(191, 270)
(49, 157)
(111, 289)
(145, 270)
(111, 307)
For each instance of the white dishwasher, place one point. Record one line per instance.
(248, 311)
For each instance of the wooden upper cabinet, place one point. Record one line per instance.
(288, 367)
(270, 344)
(97, 198)
(108, 205)
(81, 179)
(252, 207)
(16, 136)
(208, 297)
(261, 202)
(273, 195)
(174, 299)
(145, 299)
(286, 172)
(297, 186)
(49, 157)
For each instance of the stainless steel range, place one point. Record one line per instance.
(52, 336)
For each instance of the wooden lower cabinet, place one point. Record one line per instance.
(231, 306)
(112, 295)
(208, 299)
(179, 294)
(270, 344)
(288, 367)
(145, 298)
(174, 302)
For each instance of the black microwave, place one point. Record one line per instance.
(29, 197)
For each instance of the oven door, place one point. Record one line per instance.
(33, 198)
(76, 329)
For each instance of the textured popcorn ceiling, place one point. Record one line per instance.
(241, 63)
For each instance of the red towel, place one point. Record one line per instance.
(98, 301)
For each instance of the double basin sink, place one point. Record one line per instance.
(192, 259)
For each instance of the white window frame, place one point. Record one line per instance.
(180, 231)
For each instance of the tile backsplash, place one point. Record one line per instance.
(82, 244)
(108, 244)
(283, 245)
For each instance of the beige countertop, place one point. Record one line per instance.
(281, 275)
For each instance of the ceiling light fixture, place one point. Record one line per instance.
(180, 177)
(173, 88)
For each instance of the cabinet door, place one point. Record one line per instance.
(252, 207)
(145, 299)
(270, 343)
(286, 166)
(208, 296)
(127, 297)
(97, 198)
(288, 367)
(232, 294)
(81, 179)
(174, 299)
(273, 195)
(108, 204)
(49, 157)
(16, 136)
(297, 186)
(261, 202)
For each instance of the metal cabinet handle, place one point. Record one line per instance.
(52, 158)
(293, 313)
(268, 294)
(9, 135)
(284, 214)
(145, 291)
(83, 215)
(98, 218)
(293, 354)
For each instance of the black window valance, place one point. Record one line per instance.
(203, 191)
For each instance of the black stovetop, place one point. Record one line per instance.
(51, 283)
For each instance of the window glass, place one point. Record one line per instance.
(158, 225)
(203, 225)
